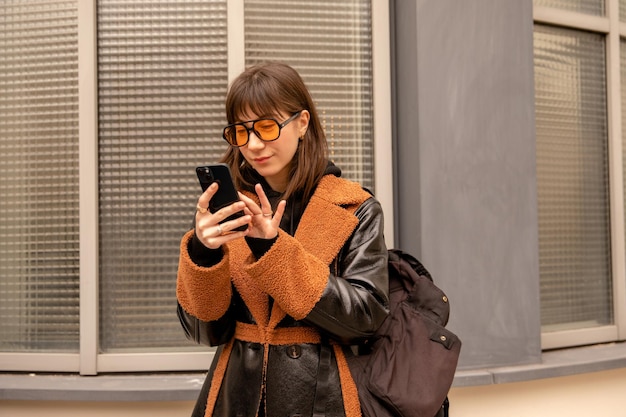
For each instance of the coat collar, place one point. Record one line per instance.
(328, 220)
(327, 223)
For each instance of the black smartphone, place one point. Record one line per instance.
(226, 193)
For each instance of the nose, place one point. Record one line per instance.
(254, 142)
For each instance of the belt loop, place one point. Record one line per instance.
(322, 386)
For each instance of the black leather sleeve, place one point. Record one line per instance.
(212, 333)
(354, 302)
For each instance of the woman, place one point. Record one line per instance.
(285, 298)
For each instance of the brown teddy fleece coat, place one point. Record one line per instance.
(294, 272)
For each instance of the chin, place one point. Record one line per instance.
(264, 172)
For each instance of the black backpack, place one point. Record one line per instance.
(408, 367)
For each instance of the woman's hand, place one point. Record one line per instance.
(209, 231)
(264, 224)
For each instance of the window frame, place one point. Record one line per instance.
(89, 360)
(613, 30)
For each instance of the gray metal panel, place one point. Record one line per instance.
(465, 154)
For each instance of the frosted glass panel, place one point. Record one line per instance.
(39, 176)
(330, 43)
(572, 175)
(591, 7)
(162, 80)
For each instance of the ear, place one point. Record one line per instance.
(303, 122)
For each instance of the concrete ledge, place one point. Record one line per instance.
(119, 387)
(562, 362)
(185, 387)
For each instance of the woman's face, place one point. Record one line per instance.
(272, 159)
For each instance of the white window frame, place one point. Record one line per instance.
(602, 25)
(89, 361)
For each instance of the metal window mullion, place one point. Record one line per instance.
(236, 38)
(578, 337)
(88, 185)
(155, 361)
(39, 362)
(569, 19)
(381, 71)
(616, 173)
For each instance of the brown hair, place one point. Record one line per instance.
(268, 89)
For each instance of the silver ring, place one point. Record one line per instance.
(219, 229)
(267, 214)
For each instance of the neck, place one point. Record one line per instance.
(277, 185)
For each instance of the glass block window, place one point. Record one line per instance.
(591, 7)
(162, 76)
(330, 44)
(39, 256)
(572, 176)
(162, 80)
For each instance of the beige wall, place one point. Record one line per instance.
(595, 394)
(585, 395)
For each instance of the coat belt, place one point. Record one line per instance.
(277, 336)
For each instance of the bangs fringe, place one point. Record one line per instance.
(258, 94)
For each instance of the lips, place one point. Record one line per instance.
(261, 160)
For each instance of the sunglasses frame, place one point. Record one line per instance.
(251, 128)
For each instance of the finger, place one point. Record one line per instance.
(266, 207)
(280, 210)
(250, 204)
(231, 226)
(228, 211)
(201, 209)
(213, 237)
(207, 195)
